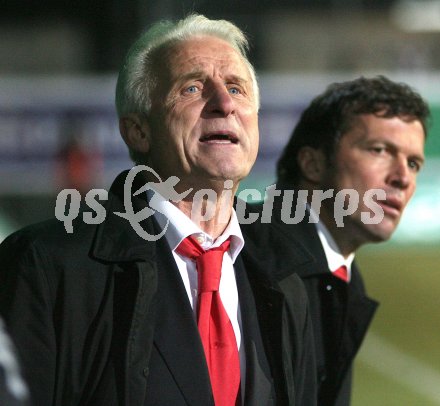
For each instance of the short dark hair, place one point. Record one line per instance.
(330, 115)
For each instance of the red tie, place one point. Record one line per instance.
(341, 273)
(215, 328)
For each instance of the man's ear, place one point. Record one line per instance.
(135, 131)
(312, 162)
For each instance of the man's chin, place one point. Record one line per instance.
(227, 174)
(381, 232)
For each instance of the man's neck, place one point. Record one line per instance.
(343, 238)
(211, 217)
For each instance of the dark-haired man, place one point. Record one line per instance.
(349, 169)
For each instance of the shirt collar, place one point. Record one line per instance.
(179, 226)
(332, 252)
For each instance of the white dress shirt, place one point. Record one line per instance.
(332, 252)
(179, 227)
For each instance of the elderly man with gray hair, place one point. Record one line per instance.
(111, 314)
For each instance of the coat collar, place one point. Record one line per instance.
(300, 237)
(305, 234)
(269, 247)
(115, 239)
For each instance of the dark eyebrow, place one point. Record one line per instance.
(415, 157)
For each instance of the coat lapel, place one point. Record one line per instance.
(305, 234)
(175, 324)
(259, 387)
(116, 241)
(266, 268)
(359, 313)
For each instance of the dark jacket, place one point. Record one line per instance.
(90, 315)
(341, 313)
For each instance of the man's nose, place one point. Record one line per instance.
(400, 175)
(220, 101)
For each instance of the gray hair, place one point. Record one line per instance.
(137, 77)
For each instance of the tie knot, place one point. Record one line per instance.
(208, 262)
(341, 273)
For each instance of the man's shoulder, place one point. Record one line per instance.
(268, 228)
(49, 236)
(291, 241)
(289, 216)
(269, 247)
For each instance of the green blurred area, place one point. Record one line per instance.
(433, 142)
(406, 282)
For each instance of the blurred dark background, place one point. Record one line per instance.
(91, 37)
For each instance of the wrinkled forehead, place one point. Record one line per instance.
(198, 56)
(204, 53)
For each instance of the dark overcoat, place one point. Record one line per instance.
(100, 316)
(341, 313)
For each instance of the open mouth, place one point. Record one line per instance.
(219, 138)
